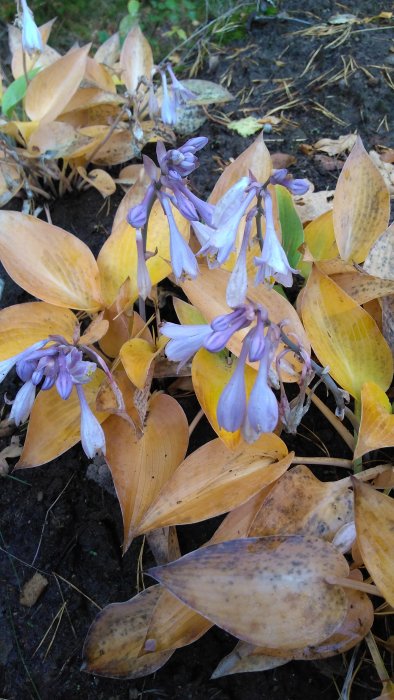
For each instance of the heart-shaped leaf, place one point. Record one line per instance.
(232, 585)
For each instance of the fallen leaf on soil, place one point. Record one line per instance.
(375, 535)
(327, 163)
(282, 160)
(12, 450)
(334, 147)
(312, 204)
(32, 590)
(387, 156)
(245, 127)
(247, 570)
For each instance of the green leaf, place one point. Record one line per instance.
(133, 8)
(292, 231)
(16, 92)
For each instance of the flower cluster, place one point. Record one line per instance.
(54, 362)
(216, 227)
(259, 414)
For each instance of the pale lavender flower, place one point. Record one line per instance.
(226, 325)
(181, 93)
(238, 282)
(180, 162)
(218, 239)
(168, 105)
(23, 403)
(273, 261)
(144, 283)
(138, 215)
(92, 434)
(231, 407)
(183, 260)
(263, 411)
(296, 186)
(31, 37)
(185, 340)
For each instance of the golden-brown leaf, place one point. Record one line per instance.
(377, 421)
(361, 205)
(54, 424)
(344, 336)
(140, 466)
(48, 262)
(255, 158)
(363, 287)
(214, 480)
(375, 535)
(231, 584)
(300, 504)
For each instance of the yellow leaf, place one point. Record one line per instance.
(377, 421)
(320, 237)
(52, 88)
(344, 337)
(214, 480)
(54, 424)
(56, 140)
(24, 324)
(137, 356)
(304, 610)
(210, 374)
(141, 466)
(100, 180)
(136, 59)
(361, 205)
(374, 516)
(48, 262)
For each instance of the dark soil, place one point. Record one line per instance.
(70, 526)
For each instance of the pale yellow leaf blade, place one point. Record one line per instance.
(52, 88)
(361, 205)
(344, 337)
(377, 421)
(24, 324)
(48, 262)
(374, 516)
(214, 480)
(136, 59)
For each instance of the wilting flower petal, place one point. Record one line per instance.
(23, 403)
(92, 434)
(238, 282)
(231, 407)
(31, 37)
(263, 411)
(144, 283)
(273, 261)
(185, 340)
(168, 106)
(181, 93)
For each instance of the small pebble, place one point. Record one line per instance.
(267, 129)
(40, 496)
